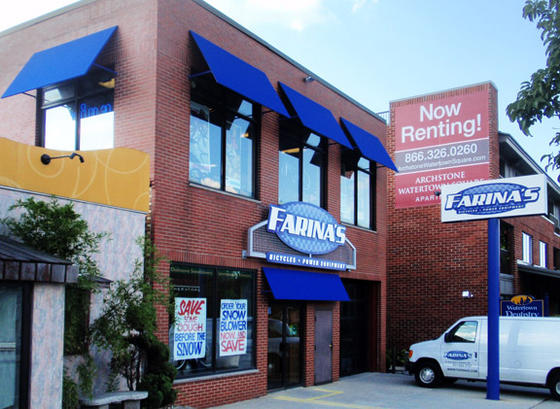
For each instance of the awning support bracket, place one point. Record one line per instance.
(105, 69)
(199, 74)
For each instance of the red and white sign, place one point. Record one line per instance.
(233, 327)
(437, 142)
(190, 328)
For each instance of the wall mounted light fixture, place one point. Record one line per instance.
(46, 159)
(309, 78)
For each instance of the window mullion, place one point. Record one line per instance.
(78, 121)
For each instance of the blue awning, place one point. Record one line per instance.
(315, 116)
(370, 146)
(235, 74)
(60, 63)
(305, 285)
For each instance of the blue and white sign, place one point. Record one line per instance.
(520, 196)
(306, 228)
(522, 306)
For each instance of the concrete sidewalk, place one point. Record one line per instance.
(398, 391)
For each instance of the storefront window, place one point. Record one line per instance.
(213, 330)
(356, 191)
(222, 139)
(301, 167)
(10, 346)
(78, 115)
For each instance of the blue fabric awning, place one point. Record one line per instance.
(305, 285)
(315, 116)
(370, 146)
(235, 74)
(60, 63)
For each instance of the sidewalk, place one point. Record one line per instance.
(398, 391)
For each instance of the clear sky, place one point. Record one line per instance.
(377, 51)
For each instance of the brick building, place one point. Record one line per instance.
(255, 162)
(437, 273)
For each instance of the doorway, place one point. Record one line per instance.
(285, 329)
(323, 346)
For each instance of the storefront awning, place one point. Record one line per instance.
(370, 146)
(316, 117)
(21, 263)
(63, 62)
(305, 285)
(235, 74)
(538, 270)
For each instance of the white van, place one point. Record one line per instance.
(529, 353)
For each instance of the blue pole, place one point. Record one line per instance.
(493, 381)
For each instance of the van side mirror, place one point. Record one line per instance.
(448, 337)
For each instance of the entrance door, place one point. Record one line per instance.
(284, 348)
(323, 346)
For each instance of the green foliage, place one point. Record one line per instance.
(70, 398)
(76, 307)
(58, 230)
(539, 97)
(86, 374)
(127, 325)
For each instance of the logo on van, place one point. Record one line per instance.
(492, 198)
(458, 355)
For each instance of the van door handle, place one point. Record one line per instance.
(476, 354)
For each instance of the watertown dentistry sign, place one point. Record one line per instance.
(302, 234)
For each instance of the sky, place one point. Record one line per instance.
(378, 51)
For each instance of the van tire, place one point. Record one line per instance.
(554, 386)
(428, 374)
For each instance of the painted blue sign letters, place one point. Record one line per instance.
(458, 355)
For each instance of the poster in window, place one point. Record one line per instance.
(200, 163)
(233, 327)
(190, 328)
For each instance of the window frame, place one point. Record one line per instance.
(251, 312)
(78, 96)
(299, 136)
(349, 163)
(215, 96)
(527, 248)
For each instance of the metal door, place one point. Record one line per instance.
(323, 346)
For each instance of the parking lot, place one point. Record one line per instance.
(398, 391)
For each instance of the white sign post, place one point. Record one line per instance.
(492, 199)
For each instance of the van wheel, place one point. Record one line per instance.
(428, 375)
(555, 386)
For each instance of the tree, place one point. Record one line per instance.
(539, 97)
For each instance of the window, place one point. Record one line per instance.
(78, 114)
(506, 247)
(357, 193)
(222, 338)
(556, 258)
(527, 248)
(463, 332)
(542, 254)
(223, 131)
(301, 165)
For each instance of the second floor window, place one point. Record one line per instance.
(222, 139)
(542, 254)
(78, 114)
(357, 190)
(301, 167)
(527, 248)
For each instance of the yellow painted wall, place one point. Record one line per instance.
(118, 177)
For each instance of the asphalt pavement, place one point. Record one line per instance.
(398, 391)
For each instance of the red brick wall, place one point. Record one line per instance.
(153, 53)
(429, 263)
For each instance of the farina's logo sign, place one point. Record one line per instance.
(492, 198)
(519, 196)
(458, 355)
(306, 228)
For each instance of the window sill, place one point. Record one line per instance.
(359, 227)
(215, 376)
(223, 192)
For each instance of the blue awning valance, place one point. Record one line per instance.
(63, 62)
(235, 74)
(369, 145)
(305, 285)
(315, 116)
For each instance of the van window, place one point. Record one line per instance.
(464, 332)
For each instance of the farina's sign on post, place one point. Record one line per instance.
(520, 196)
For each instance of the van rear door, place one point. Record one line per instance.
(459, 350)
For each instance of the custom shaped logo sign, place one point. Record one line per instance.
(521, 196)
(522, 306)
(306, 228)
